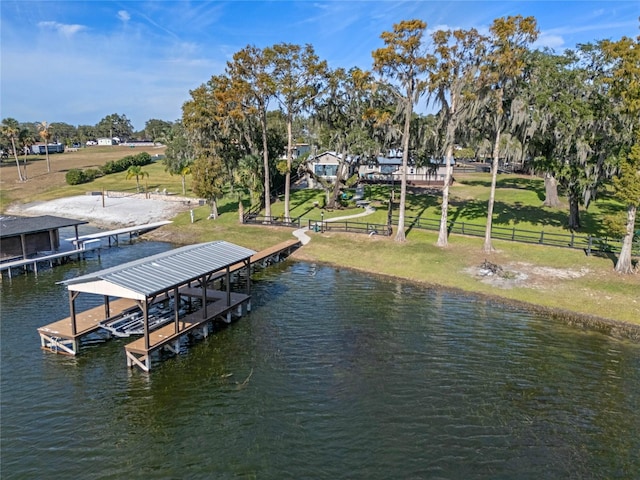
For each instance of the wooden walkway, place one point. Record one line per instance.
(134, 230)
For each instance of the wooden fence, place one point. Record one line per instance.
(255, 219)
(350, 227)
(588, 243)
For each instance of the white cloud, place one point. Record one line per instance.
(124, 15)
(549, 40)
(65, 30)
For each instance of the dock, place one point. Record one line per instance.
(184, 273)
(114, 235)
(80, 246)
(49, 259)
(64, 335)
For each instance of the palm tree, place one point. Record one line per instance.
(45, 132)
(137, 172)
(11, 130)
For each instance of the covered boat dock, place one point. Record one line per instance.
(187, 272)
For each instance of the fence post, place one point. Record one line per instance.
(542, 237)
(589, 246)
(463, 228)
(572, 238)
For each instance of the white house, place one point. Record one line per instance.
(389, 170)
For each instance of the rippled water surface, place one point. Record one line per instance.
(333, 374)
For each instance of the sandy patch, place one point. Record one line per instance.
(117, 211)
(522, 274)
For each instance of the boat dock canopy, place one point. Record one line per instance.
(159, 273)
(15, 226)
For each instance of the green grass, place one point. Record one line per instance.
(600, 292)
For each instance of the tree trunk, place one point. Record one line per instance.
(265, 158)
(400, 235)
(443, 234)
(46, 151)
(24, 169)
(240, 210)
(550, 191)
(15, 154)
(287, 178)
(574, 212)
(214, 209)
(488, 247)
(332, 201)
(624, 265)
(184, 185)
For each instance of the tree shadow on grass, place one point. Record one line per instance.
(517, 183)
(510, 214)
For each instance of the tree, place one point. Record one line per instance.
(156, 130)
(624, 80)
(10, 129)
(342, 114)
(504, 64)
(179, 154)
(247, 176)
(253, 85)
(209, 178)
(299, 75)
(452, 81)
(115, 125)
(136, 171)
(45, 132)
(64, 133)
(402, 61)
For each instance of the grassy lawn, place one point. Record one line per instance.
(559, 279)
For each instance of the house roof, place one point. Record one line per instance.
(14, 226)
(149, 276)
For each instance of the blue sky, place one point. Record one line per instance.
(78, 61)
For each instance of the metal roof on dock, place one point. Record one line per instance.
(158, 273)
(13, 226)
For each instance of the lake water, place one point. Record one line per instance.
(334, 374)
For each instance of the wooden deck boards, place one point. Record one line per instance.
(261, 255)
(86, 321)
(167, 333)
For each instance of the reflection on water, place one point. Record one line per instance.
(332, 375)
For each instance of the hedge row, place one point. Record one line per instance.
(76, 176)
(123, 164)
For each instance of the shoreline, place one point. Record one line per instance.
(617, 329)
(122, 210)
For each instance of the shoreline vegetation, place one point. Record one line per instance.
(565, 284)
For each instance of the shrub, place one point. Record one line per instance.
(75, 176)
(122, 165)
(92, 174)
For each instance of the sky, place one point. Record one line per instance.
(79, 61)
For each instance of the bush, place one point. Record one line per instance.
(92, 174)
(75, 176)
(122, 165)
